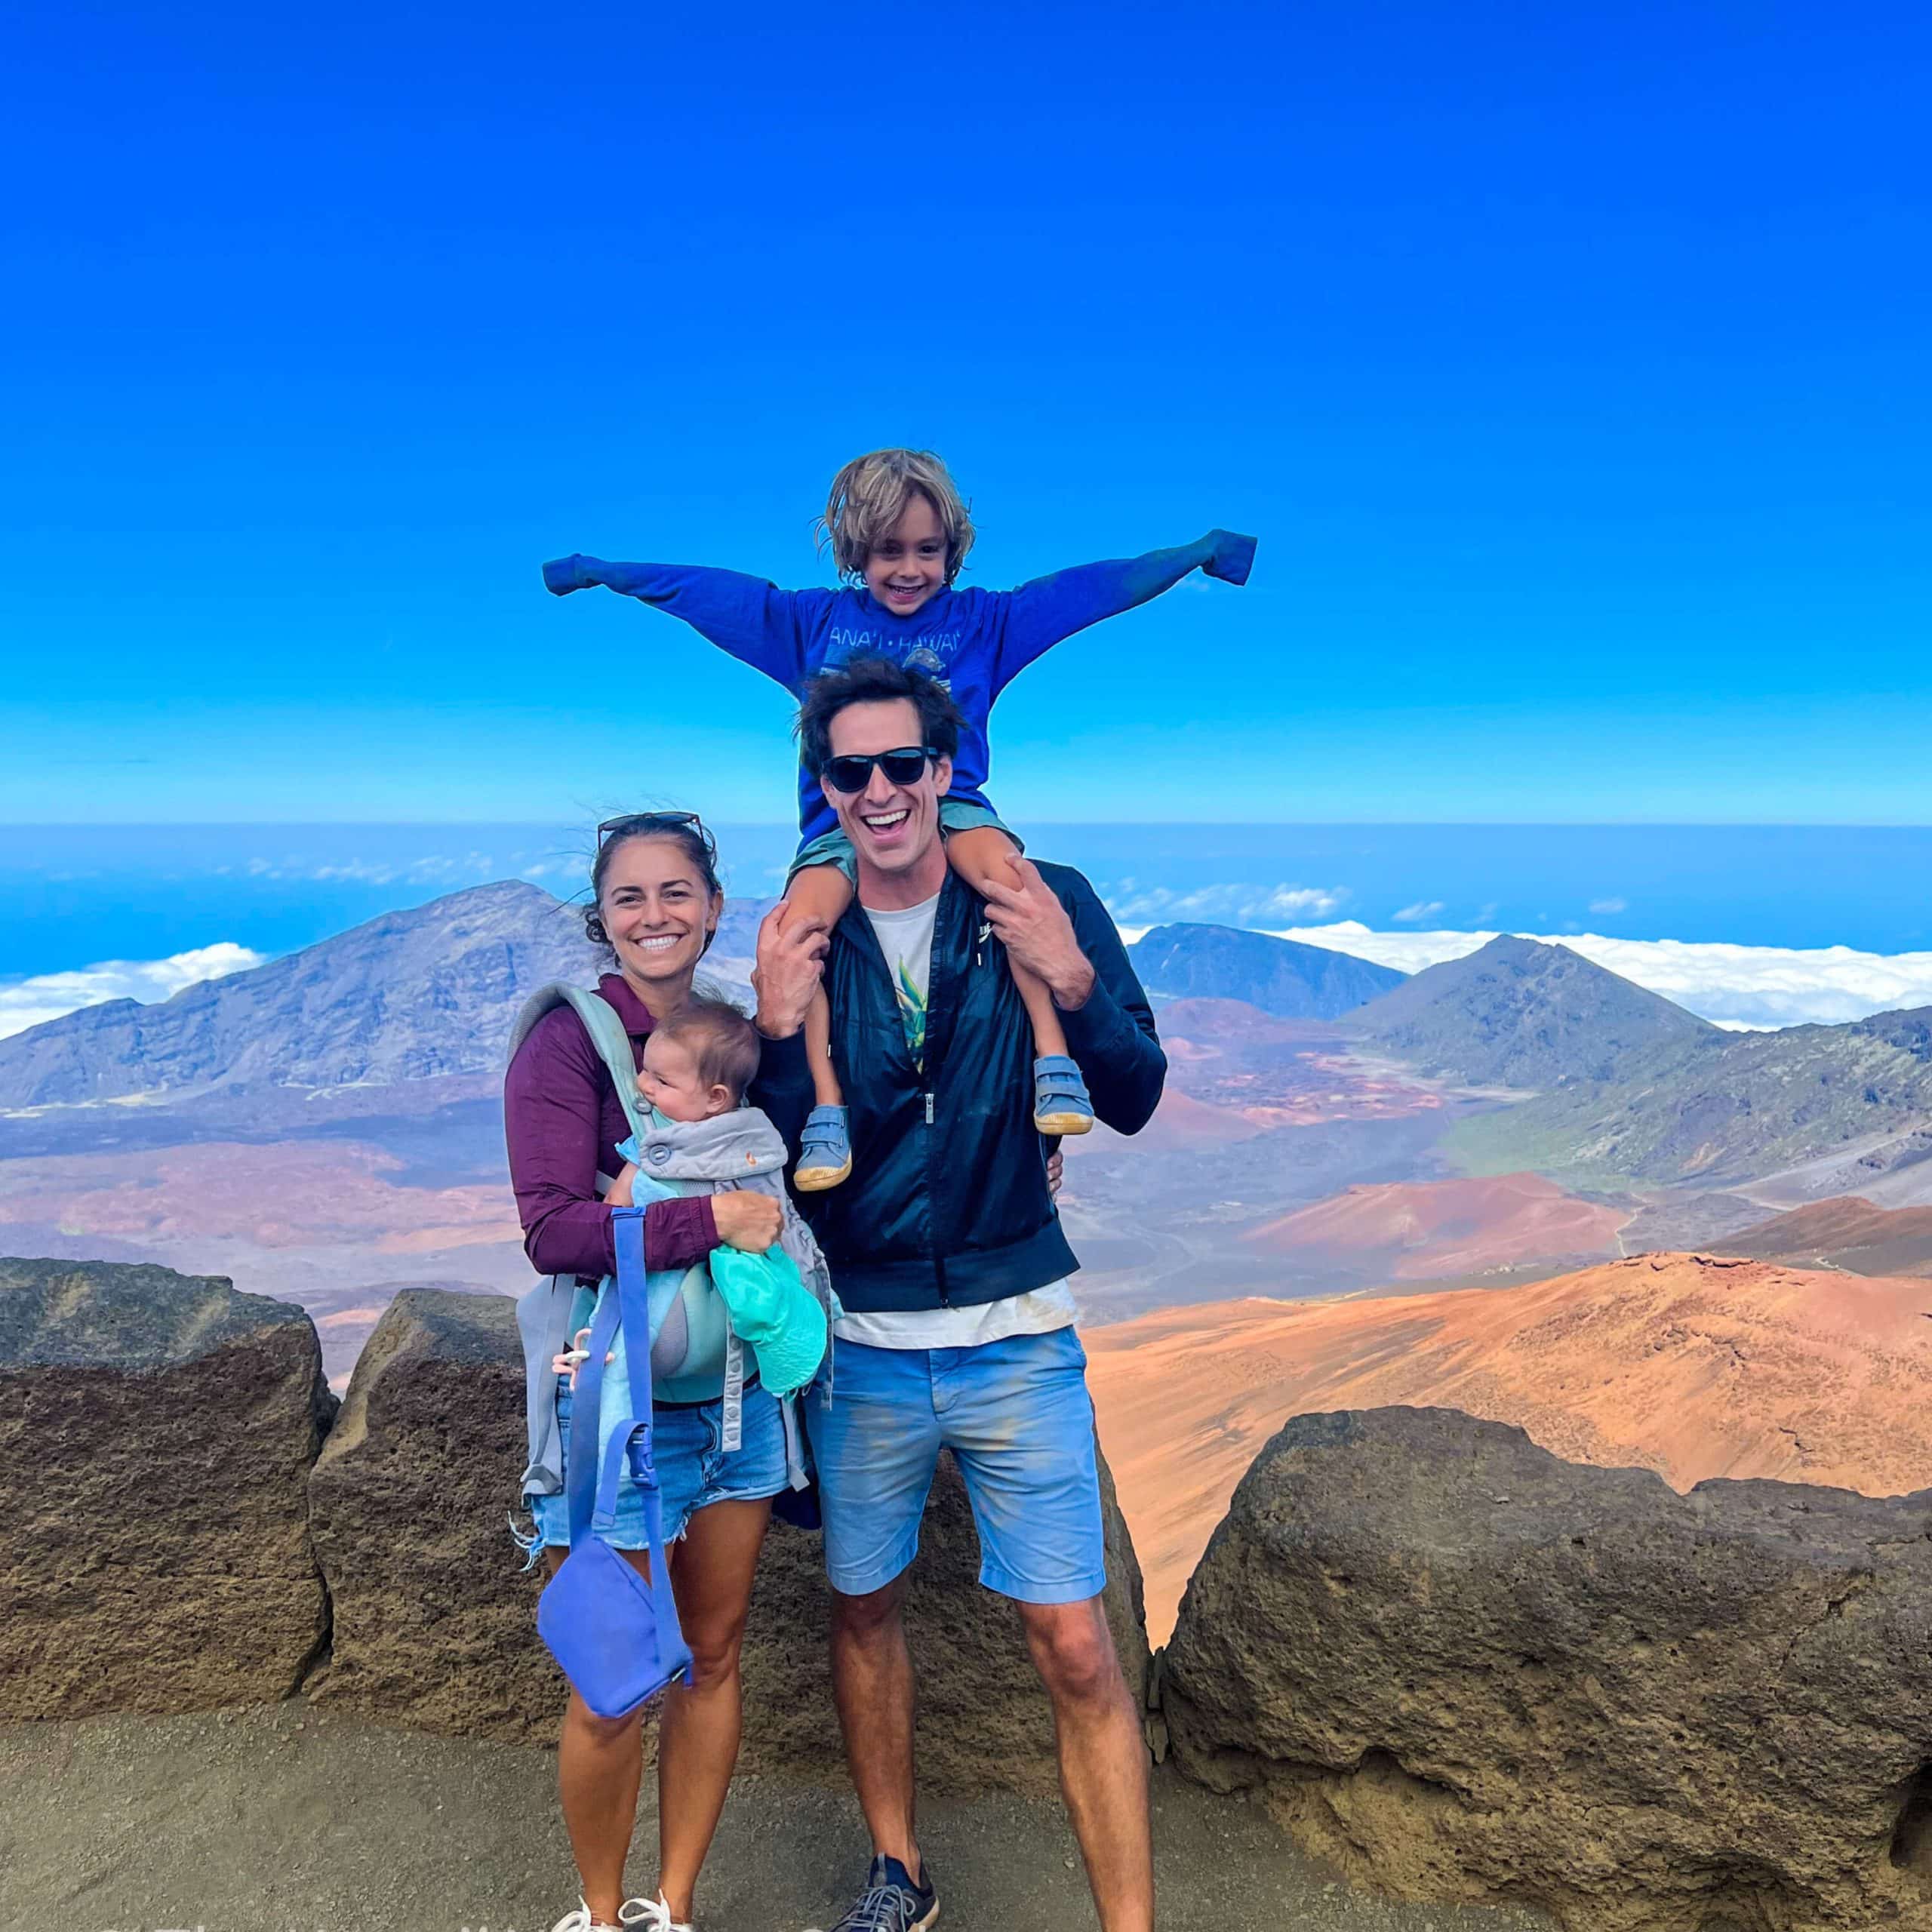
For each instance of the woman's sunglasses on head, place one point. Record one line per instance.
(635, 822)
(853, 772)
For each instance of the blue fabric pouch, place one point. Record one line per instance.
(616, 1635)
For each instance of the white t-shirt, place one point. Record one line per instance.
(906, 940)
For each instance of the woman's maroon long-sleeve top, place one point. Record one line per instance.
(562, 1121)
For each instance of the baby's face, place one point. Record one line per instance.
(668, 1081)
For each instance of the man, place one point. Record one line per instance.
(949, 1260)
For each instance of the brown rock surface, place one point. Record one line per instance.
(434, 1628)
(1464, 1669)
(156, 1432)
(409, 1504)
(1686, 1365)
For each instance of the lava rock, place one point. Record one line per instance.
(156, 1434)
(435, 1627)
(409, 1504)
(1464, 1669)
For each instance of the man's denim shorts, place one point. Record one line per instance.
(834, 848)
(693, 1471)
(1017, 1417)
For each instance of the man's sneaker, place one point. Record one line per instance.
(1060, 1104)
(653, 1913)
(890, 1902)
(825, 1150)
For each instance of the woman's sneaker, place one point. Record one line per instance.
(580, 1920)
(653, 1913)
(890, 1902)
(825, 1151)
(1060, 1104)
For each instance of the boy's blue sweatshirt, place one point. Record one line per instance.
(975, 642)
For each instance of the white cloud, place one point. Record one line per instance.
(436, 868)
(25, 1003)
(1260, 906)
(1735, 986)
(1423, 909)
(1600, 906)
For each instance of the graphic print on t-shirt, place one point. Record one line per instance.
(905, 938)
(912, 1015)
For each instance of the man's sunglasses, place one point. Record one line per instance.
(853, 772)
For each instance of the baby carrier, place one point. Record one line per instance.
(697, 1353)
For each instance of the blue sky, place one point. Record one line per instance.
(1570, 365)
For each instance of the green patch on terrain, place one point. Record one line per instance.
(1505, 1143)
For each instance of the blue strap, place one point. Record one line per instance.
(593, 1479)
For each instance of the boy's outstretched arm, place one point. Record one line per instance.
(1039, 614)
(757, 622)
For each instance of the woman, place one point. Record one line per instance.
(656, 902)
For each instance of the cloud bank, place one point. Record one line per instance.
(1744, 986)
(1258, 906)
(25, 1003)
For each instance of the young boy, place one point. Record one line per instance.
(899, 532)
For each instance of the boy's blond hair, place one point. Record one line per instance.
(869, 495)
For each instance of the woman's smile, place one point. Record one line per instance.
(658, 911)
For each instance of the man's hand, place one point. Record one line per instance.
(1056, 1173)
(752, 1222)
(1034, 926)
(791, 963)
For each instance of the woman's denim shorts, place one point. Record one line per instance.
(693, 1471)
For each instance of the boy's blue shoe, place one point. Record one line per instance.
(1060, 1104)
(890, 1902)
(825, 1151)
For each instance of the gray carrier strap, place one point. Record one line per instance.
(607, 1035)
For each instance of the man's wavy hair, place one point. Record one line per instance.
(874, 681)
(869, 495)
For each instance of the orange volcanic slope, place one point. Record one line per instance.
(1849, 1231)
(1182, 1121)
(1689, 1366)
(1450, 1227)
(275, 1196)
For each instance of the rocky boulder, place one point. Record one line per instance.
(409, 1505)
(1464, 1669)
(435, 1627)
(156, 1433)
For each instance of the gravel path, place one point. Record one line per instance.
(289, 1820)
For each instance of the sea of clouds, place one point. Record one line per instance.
(1742, 986)
(44, 996)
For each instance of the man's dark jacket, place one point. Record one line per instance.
(947, 1203)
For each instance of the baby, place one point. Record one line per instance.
(900, 531)
(699, 1138)
(697, 1065)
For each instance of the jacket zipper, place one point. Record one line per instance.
(939, 1260)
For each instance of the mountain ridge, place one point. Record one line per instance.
(1282, 977)
(409, 995)
(1522, 1013)
(1852, 1102)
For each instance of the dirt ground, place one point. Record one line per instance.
(288, 1819)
